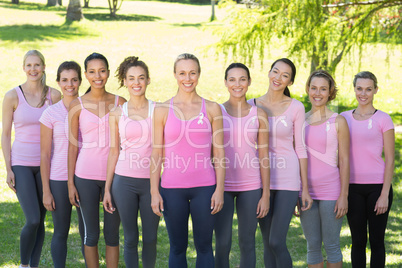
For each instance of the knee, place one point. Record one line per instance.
(277, 245)
(33, 224)
(91, 239)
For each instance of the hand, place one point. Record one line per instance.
(297, 209)
(73, 195)
(307, 201)
(381, 206)
(157, 204)
(341, 207)
(263, 207)
(216, 202)
(107, 202)
(48, 201)
(11, 180)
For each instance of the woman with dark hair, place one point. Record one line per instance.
(327, 140)
(370, 190)
(188, 130)
(89, 115)
(245, 129)
(128, 164)
(23, 106)
(288, 161)
(53, 167)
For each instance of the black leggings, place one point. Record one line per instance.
(61, 221)
(362, 200)
(28, 184)
(246, 208)
(89, 192)
(179, 204)
(132, 195)
(274, 228)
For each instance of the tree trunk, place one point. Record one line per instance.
(86, 3)
(15, 1)
(213, 10)
(74, 10)
(52, 3)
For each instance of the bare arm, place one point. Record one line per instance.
(10, 103)
(73, 128)
(46, 137)
(381, 205)
(263, 153)
(159, 120)
(55, 95)
(218, 154)
(341, 206)
(113, 157)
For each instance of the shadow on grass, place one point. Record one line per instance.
(27, 32)
(197, 25)
(119, 17)
(41, 7)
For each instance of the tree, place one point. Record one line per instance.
(54, 3)
(15, 2)
(213, 17)
(114, 5)
(74, 10)
(323, 31)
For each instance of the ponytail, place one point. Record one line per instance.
(286, 92)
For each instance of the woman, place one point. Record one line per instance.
(327, 140)
(23, 106)
(128, 164)
(89, 115)
(288, 161)
(54, 132)
(187, 130)
(246, 149)
(370, 191)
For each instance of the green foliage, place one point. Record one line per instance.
(323, 33)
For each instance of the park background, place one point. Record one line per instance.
(157, 32)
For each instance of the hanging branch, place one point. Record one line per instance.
(387, 3)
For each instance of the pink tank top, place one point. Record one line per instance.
(92, 159)
(322, 156)
(187, 154)
(240, 140)
(135, 143)
(26, 146)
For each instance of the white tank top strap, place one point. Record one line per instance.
(124, 109)
(151, 108)
(82, 105)
(223, 107)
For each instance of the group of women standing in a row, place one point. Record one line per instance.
(264, 155)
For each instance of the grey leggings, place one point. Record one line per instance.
(90, 192)
(275, 226)
(132, 195)
(28, 184)
(320, 225)
(61, 221)
(246, 208)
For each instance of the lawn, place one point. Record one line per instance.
(157, 32)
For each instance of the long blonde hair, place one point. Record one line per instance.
(45, 88)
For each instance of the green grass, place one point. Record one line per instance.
(157, 32)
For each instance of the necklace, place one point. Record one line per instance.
(371, 113)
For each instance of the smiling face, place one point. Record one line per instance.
(97, 73)
(34, 68)
(280, 76)
(69, 82)
(136, 80)
(318, 91)
(237, 82)
(187, 74)
(365, 90)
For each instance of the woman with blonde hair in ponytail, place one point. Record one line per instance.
(23, 106)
